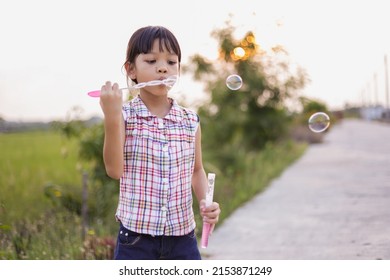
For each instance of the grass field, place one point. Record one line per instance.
(29, 161)
(31, 227)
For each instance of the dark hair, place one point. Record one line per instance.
(142, 42)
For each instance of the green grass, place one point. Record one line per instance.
(29, 161)
(30, 226)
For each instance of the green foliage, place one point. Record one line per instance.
(28, 161)
(311, 106)
(105, 189)
(51, 235)
(40, 219)
(245, 132)
(247, 119)
(30, 227)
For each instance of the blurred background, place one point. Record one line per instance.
(295, 58)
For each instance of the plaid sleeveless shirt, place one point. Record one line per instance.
(159, 154)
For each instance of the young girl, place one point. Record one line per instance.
(153, 146)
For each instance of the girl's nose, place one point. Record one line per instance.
(162, 70)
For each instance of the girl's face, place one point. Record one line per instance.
(155, 65)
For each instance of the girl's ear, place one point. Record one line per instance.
(130, 70)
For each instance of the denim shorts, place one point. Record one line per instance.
(135, 246)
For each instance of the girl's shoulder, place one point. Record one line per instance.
(188, 113)
(127, 109)
(133, 106)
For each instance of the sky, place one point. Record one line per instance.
(53, 52)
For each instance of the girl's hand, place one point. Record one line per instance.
(111, 100)
(210, 214)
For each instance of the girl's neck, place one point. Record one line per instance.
(157, 105)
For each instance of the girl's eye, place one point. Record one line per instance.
(172, 62)
(151, 61)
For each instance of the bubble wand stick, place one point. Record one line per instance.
(209, 201)
(168, 82)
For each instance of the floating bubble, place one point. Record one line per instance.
(319, 122)
(234, 82)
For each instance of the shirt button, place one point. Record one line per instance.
(164, 208)
(160, 124)
(165, 148)
(165, 180)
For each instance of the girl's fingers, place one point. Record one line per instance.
(115, 87)
(212, 217)
(211, 229)
(109, 88)
(111, 99)
(210, 220)
(102, 90)
(211, 213)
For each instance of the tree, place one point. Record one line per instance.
(257, 113)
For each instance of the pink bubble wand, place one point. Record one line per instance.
(168, 82)
(209, 200)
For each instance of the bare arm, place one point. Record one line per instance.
(211, 213)
(114, 130)
(199, 179)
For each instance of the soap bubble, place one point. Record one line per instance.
(319, 122)
(234, 82)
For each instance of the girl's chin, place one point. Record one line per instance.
(157, 91)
